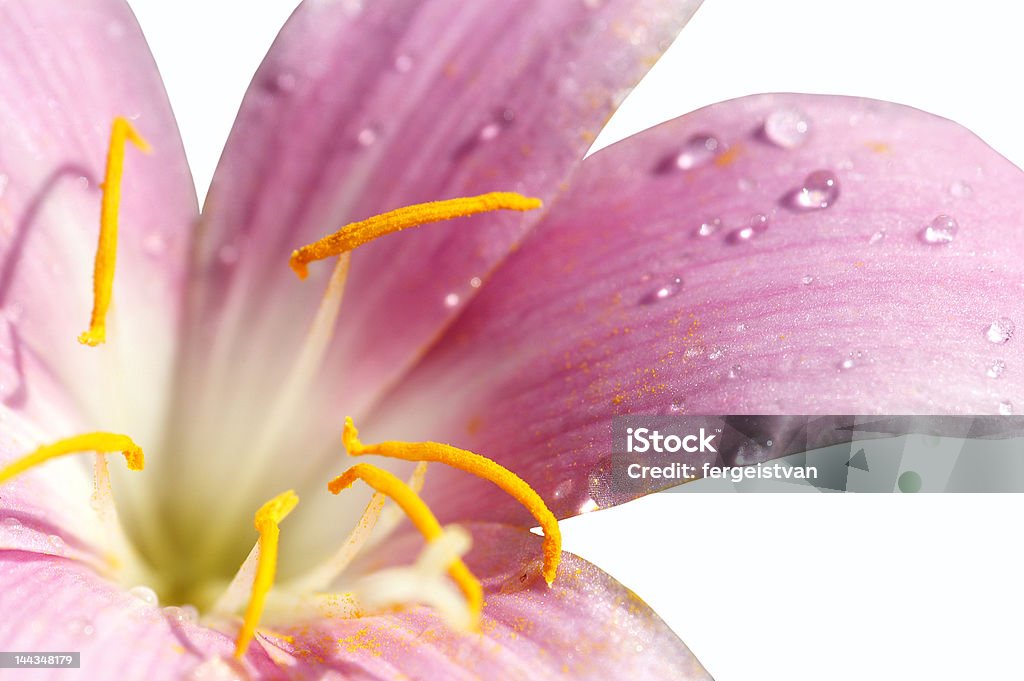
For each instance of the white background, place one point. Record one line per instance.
(759, 586)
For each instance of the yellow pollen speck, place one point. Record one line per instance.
(121, 133)
(729, 156)
(356, 234)
(102, 443)
(477, 465)
(420, 515)
(878, 147)
(267, 522)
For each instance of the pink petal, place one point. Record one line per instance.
(66, 71)
(51, 604)
(586, 626)
(359, 111)
(842, 310)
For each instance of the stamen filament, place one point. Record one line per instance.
(420, 515)
(106, 250)
(101, 443)
(479, 466)
(356, 234)
(267, 522)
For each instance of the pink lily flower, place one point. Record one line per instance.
(774, 254)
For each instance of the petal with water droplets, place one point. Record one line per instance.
(564, 337)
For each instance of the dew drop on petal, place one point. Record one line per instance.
(12, 523)
(451, 300)
(366, 137)
(403, 63)
(786, 128)
(941, 230)
(1000, 331)
(475, 282)
(757, 224)
(182, 615)
(847, 363)
(227, 254)
(81, 627)
(735, 371)
(285, 81)
(819, 190)
(57, 543)
(716, 353)
(697, 151)
(1006, 408)
(709, 227)
(960, 189)
(144, 594)
(807, 279)
(996, 369)
(154, 244)
(670, 288)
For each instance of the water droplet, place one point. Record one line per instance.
(227, 254)
(697, 151)
(745, 184)
(285, 81)
(155, 244)
(451, 300)
(667, 290)
(182, 615)
(735, 371)
(941, 230)
(475, 282)
(709, 227)
(219, 669)
(960, 189)
(787, 128)
(403, 63)
(876, 237)
(996, 369)
(83, 182)
(1000, 331)
(820, 190)
(144, 594)
(758, 223)
(1006, 408)
(81, 627)
(366, 137)
(716, 353)
(491, 130)
(12, 523)
(741, 328)
(807, 279)
(56, 542)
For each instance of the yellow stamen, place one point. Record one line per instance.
(356, 234)
(101, 443)
(267, 520)
(420, 515)
(477, 465)
(106, 251)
